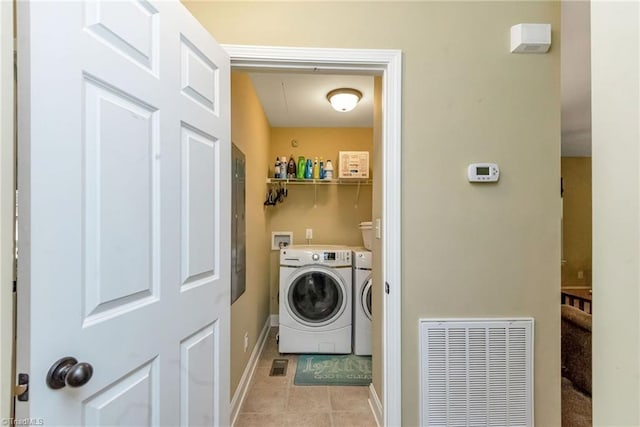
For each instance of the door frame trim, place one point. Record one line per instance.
(7, 209)
(387, 62)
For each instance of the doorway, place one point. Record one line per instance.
(386, 63)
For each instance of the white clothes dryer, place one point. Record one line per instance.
(362, 282)
(315, 299)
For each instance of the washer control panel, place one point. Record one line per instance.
(340, 256)
(303, 256)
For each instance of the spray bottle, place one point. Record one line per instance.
(316, 169)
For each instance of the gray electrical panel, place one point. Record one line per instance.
(238, 224)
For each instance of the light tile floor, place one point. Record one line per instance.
(276, 401)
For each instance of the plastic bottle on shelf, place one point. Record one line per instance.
(321, 168)
(308, 169)
(283, 167)
(316, 169)
(276, 169)
(301, 166)
(291, 168)
(328, 170)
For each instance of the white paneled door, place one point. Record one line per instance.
(124, 201)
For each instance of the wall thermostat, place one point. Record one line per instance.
(483, 172)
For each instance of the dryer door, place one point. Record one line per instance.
(366, 298)
(316, 296)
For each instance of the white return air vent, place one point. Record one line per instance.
(476, 372)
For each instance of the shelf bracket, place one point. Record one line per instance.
(357, 194)
(315, 194)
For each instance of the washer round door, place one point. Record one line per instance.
(316, 296)
(365, 298)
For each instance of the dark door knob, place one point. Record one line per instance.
(67, 371)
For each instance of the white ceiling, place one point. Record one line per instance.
(300, 99)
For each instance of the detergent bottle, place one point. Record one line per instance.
(328, 170)
(291, 168)
(308, 170)
(301, 165)
(276, 168)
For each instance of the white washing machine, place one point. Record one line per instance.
(362, 301)
(315, 299)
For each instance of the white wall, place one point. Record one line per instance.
(6, 205)
(615, 71)
(576, 78)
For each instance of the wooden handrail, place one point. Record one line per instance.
(583, 303)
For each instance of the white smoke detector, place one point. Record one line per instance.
(530, 38)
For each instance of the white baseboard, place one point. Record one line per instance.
(275, 320)
(376, 406)
(241, 390)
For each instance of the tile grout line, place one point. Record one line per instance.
(330, 409)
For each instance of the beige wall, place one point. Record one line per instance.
(7, 203)
(615, 71)
(468, 250)
(332, 211)
(576, 221)
(250, 133)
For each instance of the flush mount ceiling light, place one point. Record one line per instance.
(344, 99)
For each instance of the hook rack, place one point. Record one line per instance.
(320, 182)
